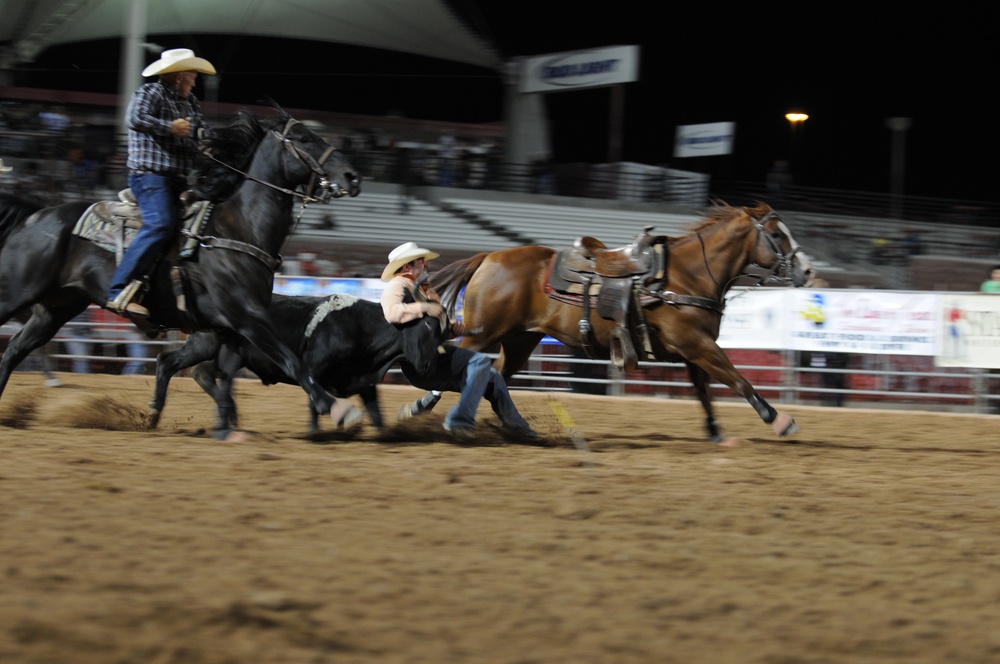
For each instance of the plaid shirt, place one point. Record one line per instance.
(151, 146)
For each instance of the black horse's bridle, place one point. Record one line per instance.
(320, 179)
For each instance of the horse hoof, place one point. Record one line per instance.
(405, 412)
(784, 425)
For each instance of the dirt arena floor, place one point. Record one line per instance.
(871, 536)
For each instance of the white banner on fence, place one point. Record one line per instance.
(969, 328)
(755, 319)
(855, 321)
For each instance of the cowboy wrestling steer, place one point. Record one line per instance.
(345, 341)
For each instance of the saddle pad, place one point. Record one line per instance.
(108, 234)
(103, 223)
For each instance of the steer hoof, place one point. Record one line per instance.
(344, 415)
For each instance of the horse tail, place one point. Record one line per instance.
(13, 211)
(452, 278)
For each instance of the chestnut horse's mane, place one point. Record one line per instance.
(721, 212)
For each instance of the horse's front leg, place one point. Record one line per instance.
(199, 347)
(711, 359)
(231, 358)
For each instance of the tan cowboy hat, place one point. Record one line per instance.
(402, 255)
(178, 59)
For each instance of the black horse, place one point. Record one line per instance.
(255, 171)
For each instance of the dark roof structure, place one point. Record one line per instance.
(420, 27)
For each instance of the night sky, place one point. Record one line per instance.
(848, 71)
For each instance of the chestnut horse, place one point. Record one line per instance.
(506, 301)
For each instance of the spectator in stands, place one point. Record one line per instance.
(78, 330)
(164, 121)
(543, 175)
(779, 179)
(6, 180)
(913, 243)
(459, 369)
(825, 363)
(135, 349)
(992, 285)
(447, 157)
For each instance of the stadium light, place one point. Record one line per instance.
(795, 118)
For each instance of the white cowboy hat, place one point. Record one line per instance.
(402, 255)
(5, 169)
(178, 59)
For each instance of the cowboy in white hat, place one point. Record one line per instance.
(459, 369)
(164, 119)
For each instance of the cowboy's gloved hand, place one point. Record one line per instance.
(433, 309)
(457, 328)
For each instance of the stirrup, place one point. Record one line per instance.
(125, 303)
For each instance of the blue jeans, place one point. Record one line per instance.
(157, 196)
(480, 380)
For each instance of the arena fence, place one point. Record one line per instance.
(788, 377)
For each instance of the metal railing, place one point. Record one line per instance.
(871, 381)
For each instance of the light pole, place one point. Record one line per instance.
(795, 118)
(898, 127)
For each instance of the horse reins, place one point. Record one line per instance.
(315, 165)
(782, 265)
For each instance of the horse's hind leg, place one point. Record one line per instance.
(39, 329)
(703, 388)
(514, 353)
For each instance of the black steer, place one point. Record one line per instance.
(344, 340)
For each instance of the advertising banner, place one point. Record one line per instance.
(755, 319)
(580, 69)
(969, 328)
(704, 140)
(857, 321)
